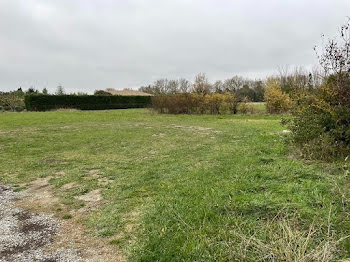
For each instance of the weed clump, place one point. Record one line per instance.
(67, 216)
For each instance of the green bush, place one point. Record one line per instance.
(84, 102)
(19, 108)
(321, 120)
(244, 107)
(102, 92)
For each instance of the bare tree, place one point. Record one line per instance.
(184, 85)
(218, 87)
(164, 86)
(233, 84)
(160, 86)
(147, 89)
(294, 79)
(335, 61)
(300, 78)
(201, 84)
(335, 57)
(173, 86)
(11, 100)
(318, 76)
(60, 90)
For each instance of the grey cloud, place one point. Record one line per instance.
(86, 45)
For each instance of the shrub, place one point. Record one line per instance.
(102, 92)
(176, 104)
(244, 107)
(84, 102)
(231, 102)
(19, 108)
(276, 100)
(214, 103)
(321, 119)
(11, 101)
(195, 103)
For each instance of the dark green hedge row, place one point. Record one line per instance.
(84, 102)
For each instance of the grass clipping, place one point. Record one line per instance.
(285, 242)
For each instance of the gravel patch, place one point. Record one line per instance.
(24, 236)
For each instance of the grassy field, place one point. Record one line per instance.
(184, 188)
(259, 107)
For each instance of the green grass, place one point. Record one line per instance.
(184, 188)
(67, 216)
(259, 107)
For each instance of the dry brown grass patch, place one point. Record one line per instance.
(286, 242)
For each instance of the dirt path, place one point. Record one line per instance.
(23, 235)
(29, 233)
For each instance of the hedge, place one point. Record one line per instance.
(84, 102)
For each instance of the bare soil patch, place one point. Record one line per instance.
(69, 186)
(160, 135)
(93, 172)
(92, 196)
(38, 196)
(24, 235)
(200, 130)
(60, 173)
(69, 235)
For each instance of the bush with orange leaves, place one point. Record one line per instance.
(321, 118)
(276, 100)
(321, 121)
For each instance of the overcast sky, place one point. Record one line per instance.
(97, 44)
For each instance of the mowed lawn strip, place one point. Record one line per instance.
(184, 188)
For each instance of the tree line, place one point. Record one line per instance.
(14, 100)
(253, 90)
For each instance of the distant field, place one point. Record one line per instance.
(259, 106)
(183, 188)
